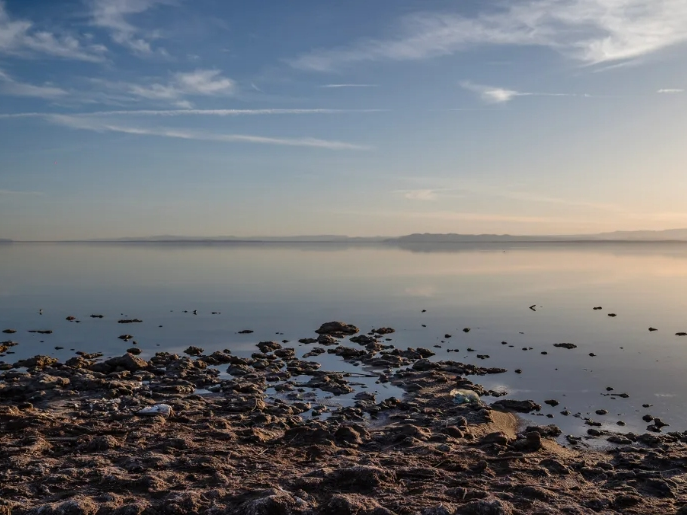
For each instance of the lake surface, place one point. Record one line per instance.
(293, 288)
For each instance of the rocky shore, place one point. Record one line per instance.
(173, 435)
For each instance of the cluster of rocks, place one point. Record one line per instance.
(84, 437)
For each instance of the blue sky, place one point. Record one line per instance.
(211, 117)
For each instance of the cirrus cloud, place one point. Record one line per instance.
(591, 31)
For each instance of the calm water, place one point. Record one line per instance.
(292, 289)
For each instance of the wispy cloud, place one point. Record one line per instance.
(349, 86)
(98, 125)
(112, 15)
(21, 38)
(197, 83)
(9, 86)
(591, 31)
(426, 195)
(195, 112)
(671, 90)
(495, 95)
(16, 193)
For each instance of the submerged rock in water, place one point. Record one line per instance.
(519, 406)
(565, 345)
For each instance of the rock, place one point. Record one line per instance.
(125, 337)
(466, 330)
(680, 334)
(612, 315)
(497, 437)
(519, 406)
(555, 466)
(327, 339)
(565, 345)
(353, 434)
(652, 329)
(353, 504)
(490, 506)
(271, 502)
(127, 362)
(384, 330)
(551, 402)
(194, 351)
(622, 501)
(266, 347)
(134, 350)
(245, 331)
(601, 412)
(39, 362)
(130, 321)
(549, 431)
(337, 329)
(647, 418)
(359, 477)
(10, 331)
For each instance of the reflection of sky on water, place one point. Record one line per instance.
(292, 289)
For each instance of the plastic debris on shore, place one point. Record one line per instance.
(164, 410)
(465, 397)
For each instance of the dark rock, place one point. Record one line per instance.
(129, 321)
(352, 434)
(498, 438)
(549, 431)
(555, 466)
(39, 362)
(337, 328)
(127, 362)
(519, 406)
(360, 477)
(490, 506)
(565, 345)
(551, 402)
(134, 350)
(266, 347)
(245, 331)
(353, 504)
(194, 351)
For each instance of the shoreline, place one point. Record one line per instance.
(75, 439)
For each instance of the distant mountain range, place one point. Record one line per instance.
(667, 235)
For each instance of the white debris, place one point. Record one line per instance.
(164, 410)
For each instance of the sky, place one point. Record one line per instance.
(217, 117)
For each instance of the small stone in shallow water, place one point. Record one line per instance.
(652, 329)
